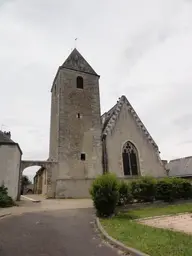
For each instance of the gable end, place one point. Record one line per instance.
(114, 117)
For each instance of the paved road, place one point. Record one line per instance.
(52, 233)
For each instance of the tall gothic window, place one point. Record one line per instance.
(80, 82)
(130, 159)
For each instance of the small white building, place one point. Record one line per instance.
(10, 160)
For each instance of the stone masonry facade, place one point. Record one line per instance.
(75, 130)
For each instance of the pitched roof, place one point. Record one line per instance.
(106, 117)
(75, 61)
(110, 118)
(180, 167)
(5, 140)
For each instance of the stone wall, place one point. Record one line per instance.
(54, 122)
(75, 128)
(79, 135)
(73, 188)
(44, 182)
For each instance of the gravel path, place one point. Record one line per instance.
(182, 222)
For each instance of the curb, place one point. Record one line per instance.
(31, 199)
(116, 243)
(4, 215)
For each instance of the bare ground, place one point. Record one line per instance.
(46, 205)
(182, 222)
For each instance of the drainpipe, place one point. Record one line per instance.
(104, 154)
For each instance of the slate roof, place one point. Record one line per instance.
(75, 61)
(110, 118)
(5, 140)
(106, 117)
(180, 167)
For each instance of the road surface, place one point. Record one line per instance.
(52, 233)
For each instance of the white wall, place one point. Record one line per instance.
(9, 168)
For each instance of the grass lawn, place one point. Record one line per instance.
(160, 210)
(153, 241)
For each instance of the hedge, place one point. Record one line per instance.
(144, 189)
(170, 189)
(125, 193)
(107, 191)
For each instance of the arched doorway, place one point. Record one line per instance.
(130, 159)
(29, 180)
(42, 177)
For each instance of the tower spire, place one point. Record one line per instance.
(75, 61)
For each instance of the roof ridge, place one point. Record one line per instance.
(112, 121)
(181, 158)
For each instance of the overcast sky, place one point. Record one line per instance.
(141, 49)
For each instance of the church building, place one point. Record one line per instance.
(84, 143)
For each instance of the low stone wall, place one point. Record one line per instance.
(73, 188)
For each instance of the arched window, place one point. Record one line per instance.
(80, 82)
(130, 159)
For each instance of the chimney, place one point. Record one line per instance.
(8, 134)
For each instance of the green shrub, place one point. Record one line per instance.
(164, 190)
(177, 184)
(144, 189)
(181, 188)
(186, 189)
(170, 189)
(105, 194)
(3, 190)
(125, 195)
(5, 200)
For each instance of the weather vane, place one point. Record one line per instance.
(76, 42)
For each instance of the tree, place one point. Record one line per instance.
(24, 183)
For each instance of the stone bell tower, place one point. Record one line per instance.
(75, 131)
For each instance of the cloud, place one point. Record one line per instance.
(184, 122)
(141, 49)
